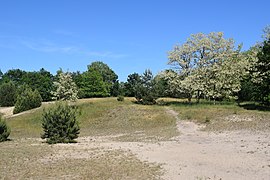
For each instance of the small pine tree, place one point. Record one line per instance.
(146, 91)
(66, 88)
(27, 100)
(60, 124)
(4, 130)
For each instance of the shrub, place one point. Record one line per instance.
(27, 100)
(120, 98)
(4, 130)
(60, 124)
(7, 94)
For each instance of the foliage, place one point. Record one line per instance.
(27, 99)
(60, 124)
(207, 66)
(4, 130)
(42, 81)
(146, 91)
(1, 75)
(132, 81)
(14, 75)
(92, 85)
(261, 72)
(115, 89)
(66, 88)
(108, 75)
(120, 98)
(7, 94)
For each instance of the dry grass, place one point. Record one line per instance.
(223, 116)
(26, 157)
(135, 122)
(105, 117)
(31, 159)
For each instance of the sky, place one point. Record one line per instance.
(128, 35)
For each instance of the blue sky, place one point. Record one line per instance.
(128, 35)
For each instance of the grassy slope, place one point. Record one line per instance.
(220, 117)
(25, 156)
(106, 117)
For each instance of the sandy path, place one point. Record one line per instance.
(195, 154)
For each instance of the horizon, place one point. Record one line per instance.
(128, 36)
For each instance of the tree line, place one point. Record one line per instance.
(206, 66)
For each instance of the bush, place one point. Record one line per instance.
(27, 100)
(60, 124)
(4, 130)
(7, 94)
(120, 98)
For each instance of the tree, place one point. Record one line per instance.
(146, 91)
(7, 94)
(201, 68)
(66, 88)
(261, 72)
(132, 81)
(42, 81)
(92, 85)
(1, 76)
(108, 75)
(60, 124)
(27, 99)
(14, 75)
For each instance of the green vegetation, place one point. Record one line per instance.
(120, 98)
(7, 94)
(4, 130)
(27, 100)
(146, 90)
(262, 72)
(60, 124)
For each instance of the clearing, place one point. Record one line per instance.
(123, 140)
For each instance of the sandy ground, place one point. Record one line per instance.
(194, 154)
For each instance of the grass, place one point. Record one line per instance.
(31, 159)
(222, 116)
(108, 117)
(25, 156)
(135, 122)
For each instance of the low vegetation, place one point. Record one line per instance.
(224, 116)
(26, 156)
(27, 99)
(4, 130)
(7, 94)
(31, 159)
(60, 124)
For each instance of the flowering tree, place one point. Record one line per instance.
(207, 65)
(66, 88)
